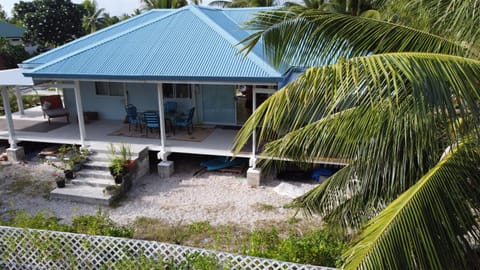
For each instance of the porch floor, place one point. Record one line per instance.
(218, 143)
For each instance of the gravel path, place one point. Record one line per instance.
(211, 196)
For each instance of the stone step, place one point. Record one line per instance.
(94, 182)
(82, 194)
(93, 173)
(96, 165)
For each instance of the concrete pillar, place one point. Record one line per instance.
(8, 118)
(166, 168)
(254, 177)
(161, 116)
(81, 122)
(15, 154)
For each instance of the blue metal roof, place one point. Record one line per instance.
(188, 44)
(8, 30)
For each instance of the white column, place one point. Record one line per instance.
(8, 116)
(19, 100)
(161, 116)
(253, 159)
(81, 122)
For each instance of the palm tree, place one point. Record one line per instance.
(401, 107)
(94, 17)
(152, 4)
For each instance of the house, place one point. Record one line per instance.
(188, 56)
(12, 33)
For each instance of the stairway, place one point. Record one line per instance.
(90, 182)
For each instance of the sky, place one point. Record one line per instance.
(113, 7)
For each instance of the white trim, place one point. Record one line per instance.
(163, 81)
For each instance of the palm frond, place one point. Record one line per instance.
(300, 37)
(386, 115)
(432, 225)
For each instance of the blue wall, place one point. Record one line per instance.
(142, 95)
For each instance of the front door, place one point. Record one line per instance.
(218, 104)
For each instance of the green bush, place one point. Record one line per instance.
(98, 224)
(29, 101)
(319, 247)
(41, 220)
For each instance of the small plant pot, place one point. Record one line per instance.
(61, 183)
(118, 179)
(69, 174)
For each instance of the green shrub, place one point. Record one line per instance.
(100, 224)
(263, 243)
(41, 220)
(318, 247)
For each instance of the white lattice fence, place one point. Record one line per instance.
(40, 249)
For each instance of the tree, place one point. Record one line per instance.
(3, 14)
(93, 18)
(400, 107)
(11, 55)
(152, 4)
(50, 22)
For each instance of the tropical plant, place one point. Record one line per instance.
(152, 4)
(93, 17)
(400, 107)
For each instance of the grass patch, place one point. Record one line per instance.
(293, 241)
(264, 207)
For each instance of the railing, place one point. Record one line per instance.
(41, 249)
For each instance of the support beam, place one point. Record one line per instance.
(18, 94)
(8, 117)
(253, 159)
(161, 117)
(81, 122)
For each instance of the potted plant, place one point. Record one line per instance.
(60, 180)
(120, 161)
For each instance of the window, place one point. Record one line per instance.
(109, 88)
(176, 90)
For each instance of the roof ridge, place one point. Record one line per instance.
(108, 39)
(232, 40)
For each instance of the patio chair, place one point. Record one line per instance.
(151, 121)
(52, 106)
(132, 117)
(186, 121)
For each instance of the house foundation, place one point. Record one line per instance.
(15, 153)
(254, 177)
(165, 168)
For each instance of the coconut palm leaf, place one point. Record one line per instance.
(302, 37)
(433, 225)
(376, 114)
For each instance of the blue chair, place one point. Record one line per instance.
(186, 121)
(132, 117)
(170, 107)
(151, 120)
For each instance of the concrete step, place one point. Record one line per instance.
(93, 173)
(93, 182)
(96, 165)
(99, 157)
(82, 194)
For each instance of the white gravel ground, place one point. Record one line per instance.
(219, 198)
